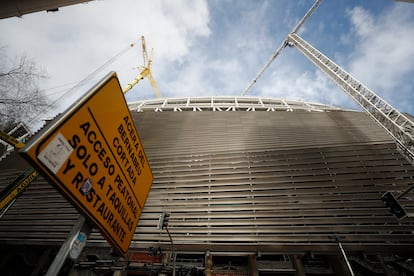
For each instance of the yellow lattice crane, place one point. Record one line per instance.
(145, 72)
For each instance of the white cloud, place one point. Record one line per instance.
(383, 56)
(224, 63)
(380, 54)
(287, 82)
(204, 77)
(78, 39)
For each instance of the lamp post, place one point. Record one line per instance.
(394, 206)
(163, 224)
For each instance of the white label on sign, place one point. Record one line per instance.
(56, 153)
(78, 246)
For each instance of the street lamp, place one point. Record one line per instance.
(163, 224)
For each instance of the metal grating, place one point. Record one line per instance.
(248, 181)
(270, 180)
(222, 103)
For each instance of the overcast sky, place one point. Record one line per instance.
(216, 47)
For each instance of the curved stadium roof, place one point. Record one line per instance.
(226, 103)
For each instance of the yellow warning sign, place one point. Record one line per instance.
(94, 156)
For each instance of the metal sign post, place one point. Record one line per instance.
(345, 257)
(72, 246)
(93, 155)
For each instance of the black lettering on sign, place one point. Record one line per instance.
(111, 221)
(109, 190)
(91, 195)
(141, 158)
(120, 209)
(98, 198)
(130, 128)
(127, 144)
(101, 182)
(74, 141)
(77, 180)
(69, 165)
(125, 161)
(94, 176)
(97, 147)
(123, 189)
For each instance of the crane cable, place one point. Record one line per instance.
(80, 83)
(283, 45)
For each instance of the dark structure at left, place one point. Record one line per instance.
(11, 8)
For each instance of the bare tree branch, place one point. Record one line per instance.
(20, 98)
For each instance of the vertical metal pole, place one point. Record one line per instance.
(173, 249)
(346, 258)
(209, 264)
(298, 264)
(65, 248)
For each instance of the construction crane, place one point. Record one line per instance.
(145, 72)
(10, 194)
(283, 45)
(399, 126)
(396, 124)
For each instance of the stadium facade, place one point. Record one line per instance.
(254, 186)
